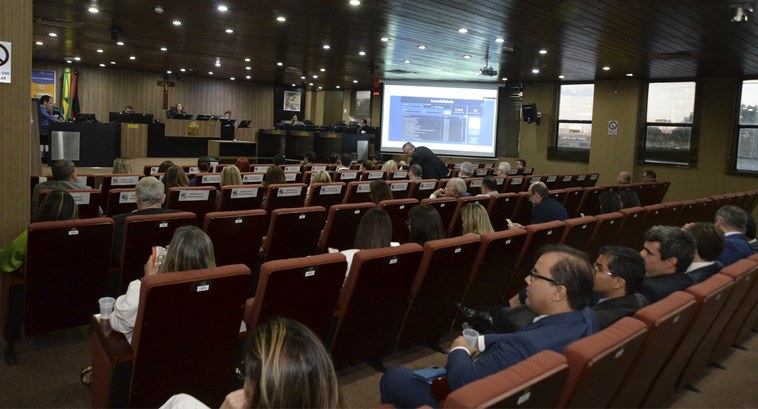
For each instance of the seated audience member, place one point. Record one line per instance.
(242, 164)
(309, 158)
(502, 169)
(544, 207)
(560, 289)
(374, 232)
(203, 166)
(629, 198)
(425, 224)
(389, 165)
(520, 164)
(344, 162)
(163, 167)
(609, 201)
(750, 232)
(64, 178)
(149, 195)
(321, 176)
(489, 187)
(709, 241)
(619, 272)
(649, 176)
(175, 177)
(467, 170)
(190, 249)
(286, 366)
(380, 190)
(415, 172)
(333, 158)
(475, 219)
(121, 167)
(732, 221)
(274, 176)
(230, 176)
(368, 165)
(57, 205)
(624, 178)
(279, 159)
(455, 187)
(667, 252)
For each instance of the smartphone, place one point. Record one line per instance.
(159, 253)
(510, 223)
(428, 375)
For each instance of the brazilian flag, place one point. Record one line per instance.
(69, 99)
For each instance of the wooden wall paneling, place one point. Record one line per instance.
(133, 140)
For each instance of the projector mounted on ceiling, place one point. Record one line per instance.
(487, 70)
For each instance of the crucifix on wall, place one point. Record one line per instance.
(165, 84)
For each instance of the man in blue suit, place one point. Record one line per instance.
(559, 289)
(732, 221)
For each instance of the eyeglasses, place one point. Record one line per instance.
(535, 275)
(599, 269)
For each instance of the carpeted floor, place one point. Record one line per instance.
(47, 375)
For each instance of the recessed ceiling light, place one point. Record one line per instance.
(53, 35)
(168, 71)
(177, 23)
(315, 77)
(218, 63)
(247, 77)
(68, 61)
(499, 40)
(281, 19)
(229, 31)
(463, 30)
(466, 56)
(77, 58)
(279, 64)
(606, 68)
(182, 69)
(247, 60)
(361, 53)
(210, 72)
(385, 39)
(119, 43)
(302, 77)
(93, 9)
(323, 70)
(421, 47)
(221, 7)
(132, 57)
(232, 78)
(164, 49)
(543, 51)
(535, 71)
(294, 85)
(338, 87)
(102, 65)
(319, 87)
(561, 76)
(407, 61)
(248, 68)
(310, 83)
(100, 50)
(326, 46)
(630, 74)
(113, 63)
(39, 43)
(355, 2)
(355, 81)
(504, 79)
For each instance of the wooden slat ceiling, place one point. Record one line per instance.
(651, 39)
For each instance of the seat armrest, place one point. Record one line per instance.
(247, 315)
(112, 357)
(114, 343)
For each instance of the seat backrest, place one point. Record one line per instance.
(631, 227)
(572, 200)
(252, 178)
(181, 315)
(579, 232)
(474, 185)
(285, 195)
(87, 201)
(551, 181)
(455, 228)
(440, 282)
(532, 383)
(514, 184)
(86, 179)
(523, 213)
(400, 188)
(240, 197)
(606, 232)
(603, 358)
(373, 302)
(689, 209)
(711, 295)
(143, 232)
(667, 321)
(294, 232)
(422, 188)
(358, 192)
(372, 174)
(592, 179)
(752, 316)
(653, 217)
(501, 208)
(494, 266)
(398, 210)
(150, 170)
(565, 181)
(326, 194)
(120, 201)
(236, 236)
(347, 176)
(397, 174)
(538, 235)
(445, 206)
(198, 200)
(305, 289)
(672, 213)
(112, 181)
(341, 225)
(293, 177)
(208, 179)
(558, 194)
(589, 205)
(66, 272)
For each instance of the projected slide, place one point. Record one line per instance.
(450, 120)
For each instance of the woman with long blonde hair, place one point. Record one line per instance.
(475, 219)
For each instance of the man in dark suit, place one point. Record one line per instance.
(432, 166)
(559, 288)
(709, 243)
(619, 272)
(667, 252)
(732, 221)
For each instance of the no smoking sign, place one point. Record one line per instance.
(5, 61)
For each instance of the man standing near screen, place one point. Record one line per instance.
(432, 166)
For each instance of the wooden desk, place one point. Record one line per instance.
(184, 127)
(246, 134)
(133, 140)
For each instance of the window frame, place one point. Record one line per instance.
(685, 159)
(737, 127)
(554, 152)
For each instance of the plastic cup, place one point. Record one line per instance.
(106, 307)
(471, 336)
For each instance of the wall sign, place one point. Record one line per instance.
(5, 62)
(613, 128)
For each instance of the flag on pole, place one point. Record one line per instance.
(66, 94)
(75, 94)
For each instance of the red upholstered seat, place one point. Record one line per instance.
(456, 224)
(240, 197)
(285, 195)
(445, 206)
(579, 232)
(236, 236)
(537, 236)
(341, 225)
(111, 181)
(294, 232)
(607, 232)
(422, 188)
(120, 201)
(501, 208)
(326, 194)
(398, 209)
(358, 192)
(87, 200)
(198, 200)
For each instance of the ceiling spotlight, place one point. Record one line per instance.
(247, 60)
(102, 65)
(119, 43)
(177, 23)
(232, 78)
(247, 77)
(68, 61)
(93, 10)
(561, 77)
(338, 87)
(384, 39)
(221, 7)
(463, 30)
(39, 43)
(466, 56)
(499, 40)
(421, 47)
(323, 70)
(355, 81)
(543, 51)
(629, 74)
(53, 35)
(504, 79)
(248, 68)
(407, 61)
(326, 46)
(132, 57)
(113, 63)
(279, 64)
(310, 83)
(281, 19)
(229, 31)
(182, 69)
(168, 71)
(100, 50)
(77, 58)
(302, 77)
(315, 77)
(355, 2)
(320, 87)
(535, 71)
(210, 72)
(361, 53)
(294, 85)
(606, 68)
(164, 49)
